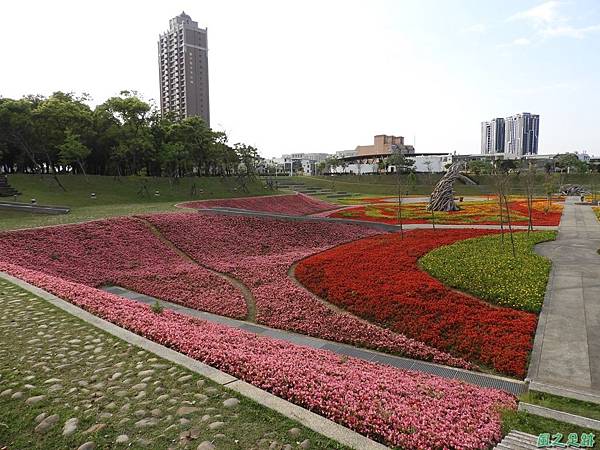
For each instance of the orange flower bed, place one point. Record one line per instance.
(480, 213)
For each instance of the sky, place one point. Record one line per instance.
(327, 75)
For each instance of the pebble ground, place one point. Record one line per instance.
(65, 384)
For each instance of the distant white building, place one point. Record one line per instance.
(583, 156)
(431, 163)
(424, 163)
(300, 162)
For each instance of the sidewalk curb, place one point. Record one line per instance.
(307, 418)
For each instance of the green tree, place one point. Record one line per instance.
(507, 165)
(551, 185)
(130, 128)
(17, 131)
(248, 157)
(570, 161)
(479, 167)
(72, 151)
(53, 117)
(332, 162)
(197, 139)
(320, 167)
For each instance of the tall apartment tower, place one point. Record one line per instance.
(521, 135)
(183, 69)
(492, 136)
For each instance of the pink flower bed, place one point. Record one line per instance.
(123, 252)
(259, 251)
(397, 407)
(294, 204)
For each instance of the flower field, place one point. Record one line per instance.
(518, 283)
(397, 407)
(379, 279)
(294, 204)
(260, 251)
(122, 252)
(480, 213)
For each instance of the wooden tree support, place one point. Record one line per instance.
(442, 197)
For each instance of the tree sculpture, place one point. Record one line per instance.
(442, 197)
(573, 189)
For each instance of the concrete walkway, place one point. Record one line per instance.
(566, 355)
(510, 385)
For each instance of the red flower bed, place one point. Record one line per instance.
(259, 251)
(123, 252)
(294, 204)
(397, 407)
(379, 279)
(539, 217)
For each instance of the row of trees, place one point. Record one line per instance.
(331, 163)
(122, 136)
(568, 162)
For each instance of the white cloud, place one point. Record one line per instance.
(548, 22)
(541, 88)
(545, 13)
(521, 41)
(477, 28)
(568, 31)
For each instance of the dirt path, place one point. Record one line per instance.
(248, 297)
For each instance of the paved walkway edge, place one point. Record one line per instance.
(536, 351)
(560, 416)
(307, 418)
(511, 385)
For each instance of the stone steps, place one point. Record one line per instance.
(517, 440)
(6, 190)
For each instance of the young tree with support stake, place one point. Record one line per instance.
(530, 192)
(502, 184)
(402, 164)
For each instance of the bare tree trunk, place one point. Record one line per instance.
(512, 241)
(399, 203)
(499, 193)
(82, 170)
(530, 184)
(530, 212)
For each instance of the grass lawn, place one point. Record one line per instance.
(486, 268)
(536, 425)
(56, 369)
(384, 185)
(569, 405)
(114, 197)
